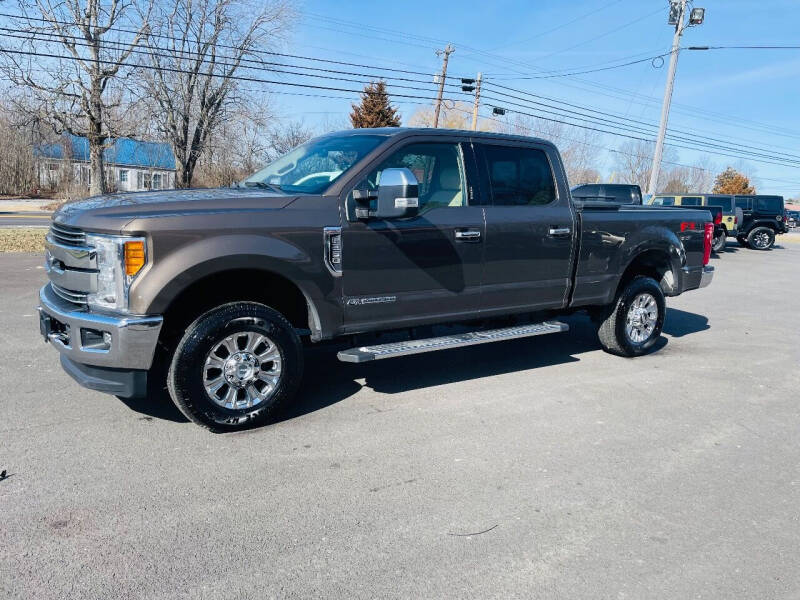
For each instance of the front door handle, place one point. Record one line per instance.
(468, 235)
(559, 231)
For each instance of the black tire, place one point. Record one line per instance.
(761, 238)
(185, 379)
(718, 245)
(612, 331)
(742, 241)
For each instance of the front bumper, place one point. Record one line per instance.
(696, 278)
(117, 342)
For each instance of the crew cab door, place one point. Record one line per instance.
(530, 227)
(401, 271)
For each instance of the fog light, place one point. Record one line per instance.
(92, 339)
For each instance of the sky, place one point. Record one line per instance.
(747, 97)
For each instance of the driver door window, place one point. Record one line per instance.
(439, 169)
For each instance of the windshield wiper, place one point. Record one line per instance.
(264, 185)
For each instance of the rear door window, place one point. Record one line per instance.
(743, 202)
(769, 204)
(519, 176)
(663, 201)
(726, 202)
(691, 201)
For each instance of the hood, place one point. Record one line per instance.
(110, 212)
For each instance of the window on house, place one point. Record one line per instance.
(148, 181)
(52, 166)
(139, 180)
(156, 181)
(123, 176)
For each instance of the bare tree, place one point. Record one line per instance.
(197, 49)
(68, 56)
(633, 161)
(18, 169)
(579, 154)
(286, 137)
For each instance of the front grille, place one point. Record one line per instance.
(69, 236)
(78, 298)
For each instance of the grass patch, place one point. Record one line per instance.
(22, 239)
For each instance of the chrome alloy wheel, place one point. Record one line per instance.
(640, 322)
(761, 239)
(243, 370)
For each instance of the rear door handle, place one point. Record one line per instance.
(559, 231)
(468, 235)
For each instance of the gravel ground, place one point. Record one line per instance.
(540, 468)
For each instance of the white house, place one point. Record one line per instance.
(131, 165)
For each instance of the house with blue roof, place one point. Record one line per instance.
(131, 165)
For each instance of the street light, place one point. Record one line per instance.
(696, 16)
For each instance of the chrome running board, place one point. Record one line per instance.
(379, 351)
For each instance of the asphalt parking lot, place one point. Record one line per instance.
(539, 468)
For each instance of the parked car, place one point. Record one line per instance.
(763, 218)
(731, 215)
(718, 243)
(618, 193)
(792, 218)
(215, 292)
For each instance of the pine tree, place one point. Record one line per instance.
(730, 181)
(375, 110)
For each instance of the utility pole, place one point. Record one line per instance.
(477, 102)
(446, 52)
(676, 17)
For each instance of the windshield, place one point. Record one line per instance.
(312, 167)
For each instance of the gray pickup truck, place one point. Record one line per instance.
(215, 292)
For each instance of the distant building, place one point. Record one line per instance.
(130, 165)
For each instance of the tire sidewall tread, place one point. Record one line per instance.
(752, 234)
(611, 332)
(184, 378)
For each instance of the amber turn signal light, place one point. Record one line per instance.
(134, 257)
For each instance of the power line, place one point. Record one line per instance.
(629, 95)
(624, 122)
(605, 6)
(617, 151)
(633, 137)
(602, 35)
(147, 50)
(583, 116)
(233, 77)
(572, 73)
(230, 47)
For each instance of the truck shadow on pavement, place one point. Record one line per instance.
(334, 381)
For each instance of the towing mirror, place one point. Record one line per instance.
(397, 194)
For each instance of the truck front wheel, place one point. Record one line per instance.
(633, 324)
(235, 366)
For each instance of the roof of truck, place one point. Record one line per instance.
(393, 131)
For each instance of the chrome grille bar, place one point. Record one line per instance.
(70, 236)
(68, 295)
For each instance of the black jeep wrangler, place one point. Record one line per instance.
(763, 217)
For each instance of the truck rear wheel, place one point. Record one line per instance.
(761, 238)
(235, 366)
(718, 245)
(634, 322)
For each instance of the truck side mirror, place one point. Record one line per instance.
(397, 194)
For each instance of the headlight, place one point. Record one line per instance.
(119, 260)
